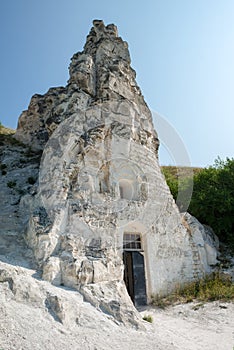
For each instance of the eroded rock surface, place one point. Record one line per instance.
(99, 181)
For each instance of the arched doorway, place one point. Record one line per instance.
(134, 268)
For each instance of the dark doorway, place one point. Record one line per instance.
(134, 276)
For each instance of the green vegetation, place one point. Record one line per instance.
(180, 182)
(148, 318)
(7, 138)
(212, 201)
(216, 286)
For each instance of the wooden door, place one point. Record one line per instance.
(134, 276)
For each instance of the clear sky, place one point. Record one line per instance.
(182, 51)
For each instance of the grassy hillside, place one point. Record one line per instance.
(6, 136)
(6, 131)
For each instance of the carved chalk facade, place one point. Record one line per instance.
(103, 212)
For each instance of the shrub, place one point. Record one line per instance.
(213, 199)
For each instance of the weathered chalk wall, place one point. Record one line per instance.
(99, 177)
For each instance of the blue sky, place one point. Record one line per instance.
(182, 51)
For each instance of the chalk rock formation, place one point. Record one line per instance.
(205, 240)
(101, 194)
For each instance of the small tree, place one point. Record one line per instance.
(172, 181)
(213, 198)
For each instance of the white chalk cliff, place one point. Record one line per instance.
(100, 218)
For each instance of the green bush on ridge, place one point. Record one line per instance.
(212, 201)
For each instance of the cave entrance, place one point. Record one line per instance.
(134, 268)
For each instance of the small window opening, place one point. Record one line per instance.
(132, 241)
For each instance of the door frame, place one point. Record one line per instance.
(131, 269)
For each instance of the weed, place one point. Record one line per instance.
(216, 286)
(148, 318)
(198, 306)
(8, 139)
(160, 302)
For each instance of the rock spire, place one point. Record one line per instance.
(101, 218)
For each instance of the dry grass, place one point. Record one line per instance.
(6, 131)
(216, 286)
(181, 171)
(7, 137)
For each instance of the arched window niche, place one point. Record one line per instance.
(127, 181)
(127, 190)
